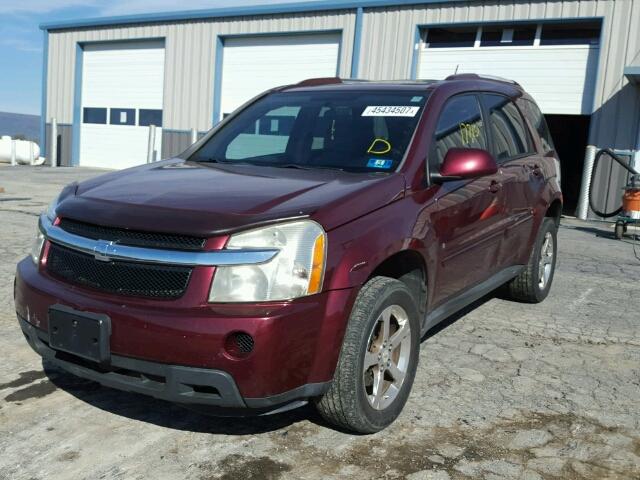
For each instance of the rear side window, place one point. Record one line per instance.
(460, 126)
(509, 134)
(535, 117)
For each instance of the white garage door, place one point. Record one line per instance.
(254, 64)
(122, 87)
(561, 78)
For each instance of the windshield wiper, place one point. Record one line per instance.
(307, 167)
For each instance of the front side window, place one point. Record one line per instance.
(510, 137)
(358, 131)
(460, 125)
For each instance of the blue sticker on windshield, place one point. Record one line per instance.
(379, 163)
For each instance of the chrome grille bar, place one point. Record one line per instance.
(106, 251)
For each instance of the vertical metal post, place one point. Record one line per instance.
(53, 155)
(13, 153)
(194, 136)
(583, 201)
(151, 147)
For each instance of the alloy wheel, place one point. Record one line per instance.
(545, 266)
(387, 357)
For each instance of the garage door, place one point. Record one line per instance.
(122, 87)
(558, 70)
(254, 64)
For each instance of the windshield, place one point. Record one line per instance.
(356, 131)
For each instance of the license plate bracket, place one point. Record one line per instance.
(84, 334)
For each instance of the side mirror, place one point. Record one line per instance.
(461, 163)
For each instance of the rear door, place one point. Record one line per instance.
(469, 215)
(520, 168)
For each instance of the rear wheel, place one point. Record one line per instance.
(534, 282)
(620, 230)
(378, 359)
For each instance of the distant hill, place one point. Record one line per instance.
(14, 124)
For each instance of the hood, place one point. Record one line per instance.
(206, 199)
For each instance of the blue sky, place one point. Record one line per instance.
(21, 39)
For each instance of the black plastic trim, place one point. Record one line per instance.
(469, 296)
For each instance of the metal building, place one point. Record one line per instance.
(106, 80)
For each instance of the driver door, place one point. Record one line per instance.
(469, 215)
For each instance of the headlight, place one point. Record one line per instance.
(297, 270)
(38, 242)
(36, 247)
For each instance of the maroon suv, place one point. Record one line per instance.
(301, 249)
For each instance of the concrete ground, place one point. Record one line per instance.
(505, 391)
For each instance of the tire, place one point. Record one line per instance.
(528, 285)
(620, 230)
(351, 402)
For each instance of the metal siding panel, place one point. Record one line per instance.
(174, 143)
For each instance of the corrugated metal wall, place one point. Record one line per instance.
(190, 59)
(388, 38)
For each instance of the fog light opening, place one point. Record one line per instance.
(239, 344)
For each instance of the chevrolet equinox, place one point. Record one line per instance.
(301, 249)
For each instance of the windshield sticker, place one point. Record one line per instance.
(380, 163)
(379, 146)
(390, 111)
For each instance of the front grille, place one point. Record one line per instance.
(123, 278)
(134, 238)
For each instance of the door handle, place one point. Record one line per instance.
(495, 187)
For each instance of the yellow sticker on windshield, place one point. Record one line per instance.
(379, 146)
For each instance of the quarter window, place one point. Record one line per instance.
(510, 137)
(460, 126)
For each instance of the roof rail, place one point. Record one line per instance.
(312, 82)
(477, 76)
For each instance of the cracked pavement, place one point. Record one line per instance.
(503, 390)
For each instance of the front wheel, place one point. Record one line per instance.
(378, 359)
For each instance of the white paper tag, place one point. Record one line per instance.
(390, 111)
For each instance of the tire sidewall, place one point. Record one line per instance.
(394, 293)
(548, 226)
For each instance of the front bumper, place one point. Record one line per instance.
(174, 350)
(174, 383)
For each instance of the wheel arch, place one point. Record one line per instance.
(409, 267)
